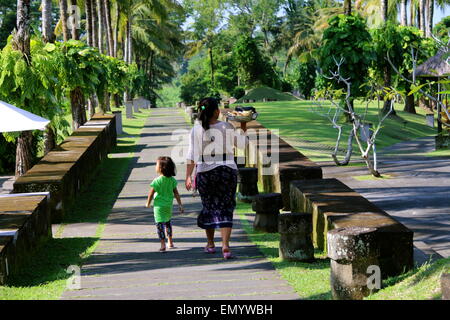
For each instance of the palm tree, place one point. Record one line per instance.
(47, 35)
(47, 32)
(403, 6)
(89, 22)
(63, 19)
(347, 7)
(108, 24)
(21, 42)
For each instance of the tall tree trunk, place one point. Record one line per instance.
(130, 41)
(412, 11)
(100, 17)
(47, 32)
(211, 62)
(409, 103)
(403, 19)
(63, 16)
(94, 15)
(422, 15)
(116, 30)
(48, 36)
(89, 26)
(24, 154)
(384, 9)
(347, 7)
(77, 105)
(49, 139)
(21, 43)
(430, 14)
(74, 27)
(387, 84)
(109, 30)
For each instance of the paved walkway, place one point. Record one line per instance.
(127, 263)
(417, 194)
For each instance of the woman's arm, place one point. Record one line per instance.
(189, 169)
(151, 193)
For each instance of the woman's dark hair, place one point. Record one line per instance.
(206, 109)
(167, 166)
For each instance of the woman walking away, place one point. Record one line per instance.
(165, 188)
(211, 149)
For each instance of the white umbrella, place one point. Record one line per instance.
(16, 119)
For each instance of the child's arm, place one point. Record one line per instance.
(177, 196)
(151, 193)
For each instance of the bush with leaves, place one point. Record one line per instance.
(254, 68)
(306, 78)
(347, 38)
(32, 85)
(238, 92)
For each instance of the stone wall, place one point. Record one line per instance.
(291, 165)
(332, 205)
(25, 223)
(69, 167)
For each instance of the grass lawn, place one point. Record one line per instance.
(312, 280)
(315, 137)
(44, 275)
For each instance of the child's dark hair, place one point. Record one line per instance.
(206, 109)
(167, 166)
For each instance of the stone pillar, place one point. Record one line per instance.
(445, 286)
(129, 109)
(136, 105)
(352, 250)
(295, 237)
(248, 184)
(118, 115)
(267, 207)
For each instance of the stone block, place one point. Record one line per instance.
(267, 208)
(248, 184)
(295, 237)
(25, 223)
(352, 251)
(335, 205)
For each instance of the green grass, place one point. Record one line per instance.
(371, 177)
(422, 283)
(260, 93)
(309, 280)
(43, 275)
(315, 137)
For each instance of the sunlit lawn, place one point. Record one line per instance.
(314, 134)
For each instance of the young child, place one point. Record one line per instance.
(164, 188)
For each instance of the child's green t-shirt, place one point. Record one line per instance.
(163, 187)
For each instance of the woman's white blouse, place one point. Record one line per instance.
(221, 138)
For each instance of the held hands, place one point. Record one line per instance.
(188, 183)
